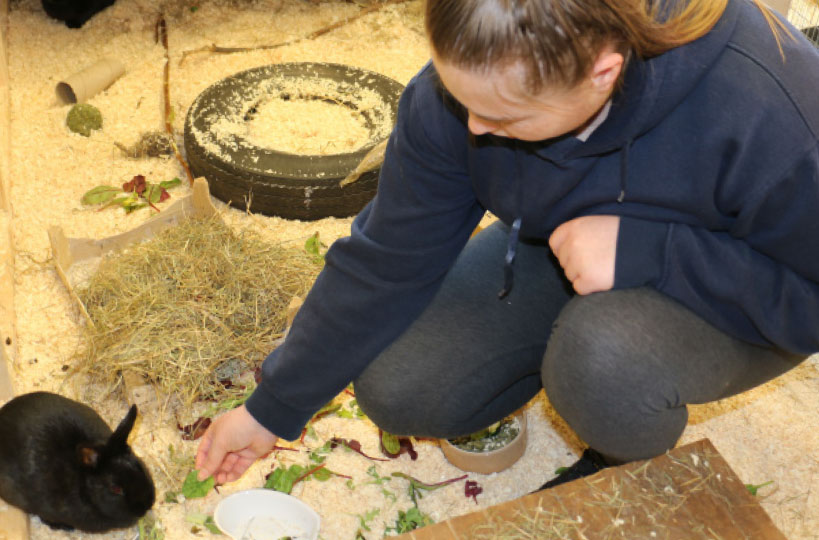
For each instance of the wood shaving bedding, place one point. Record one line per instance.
(765, 434)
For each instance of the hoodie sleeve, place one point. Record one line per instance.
(758, 280)
(380, 278)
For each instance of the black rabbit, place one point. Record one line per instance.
(74, 12)
(60, 461)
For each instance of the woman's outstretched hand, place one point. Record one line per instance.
(586, 248)
(232, 443)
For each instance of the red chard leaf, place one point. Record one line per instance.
(353, 445)
(393, 446)
(136, 185)
(472, 489)
(193, 431)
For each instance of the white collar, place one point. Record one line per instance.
(599, 119)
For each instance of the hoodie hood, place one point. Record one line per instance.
(649, 92)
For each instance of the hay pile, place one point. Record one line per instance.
(191, 309)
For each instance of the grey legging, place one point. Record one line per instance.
(618, 366)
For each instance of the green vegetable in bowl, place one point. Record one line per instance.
(493, 437)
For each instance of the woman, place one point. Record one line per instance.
(655, 170)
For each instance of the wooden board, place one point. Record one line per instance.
(689, 493)
(5, 112)
(7, 318)
(13, 522)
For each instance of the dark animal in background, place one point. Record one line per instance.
(60, 461)
(74, 12)
(812, 34)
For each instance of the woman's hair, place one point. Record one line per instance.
(559, 40)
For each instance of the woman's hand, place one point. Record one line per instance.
(586, 248)
(231, 444)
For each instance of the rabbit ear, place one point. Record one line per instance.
(89, 456)
(119, 438)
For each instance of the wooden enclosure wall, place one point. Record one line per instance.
(7, 318)
(13, 522)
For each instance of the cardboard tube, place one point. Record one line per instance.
(93, 79)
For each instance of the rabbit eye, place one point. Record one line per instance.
(116, 490)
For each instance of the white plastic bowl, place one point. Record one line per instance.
(265, 514)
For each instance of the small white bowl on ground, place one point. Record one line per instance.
(265, 514)
(493, 460)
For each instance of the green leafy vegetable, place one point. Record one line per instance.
(229, 403)
(192, 488)
(313, 246)
(389, 494)
(416, 486)
(203, 520)
(364, 520)
(319, 455)
(149, 528)
(284, 478)
(130, 203)
(352, 410)
(330, 408)
(168, 184)
(753, 488)
(390, 442)
(495, 436)
(377, 479)
(153, 193)
(409, 521)
(309, 431)
(322, 475)
(100, 195)
(134, 194)
(393, 446)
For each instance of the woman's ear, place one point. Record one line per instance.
(606, 70)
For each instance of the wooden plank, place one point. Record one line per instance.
(67, 251)
(7, 318)
(480, 522)
(689, 493)
(432, 533)
(5, 111)
(13, 522)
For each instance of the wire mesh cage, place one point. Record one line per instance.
(804, 14)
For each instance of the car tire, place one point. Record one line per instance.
(274, 183)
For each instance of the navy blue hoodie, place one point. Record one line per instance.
(709, 154)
